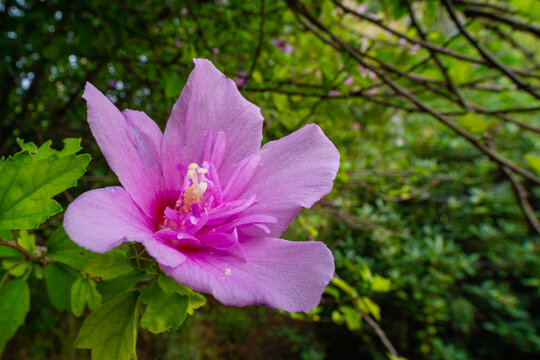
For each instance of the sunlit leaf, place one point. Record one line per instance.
(110, 332)
(28, 183)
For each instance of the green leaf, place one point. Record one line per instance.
(6, 252)
(352, 318)
(257, 77)
(474, 123)
(28, 183)
(534, 162)
(60, 248)
(16, 267)
(380, 284)
(169, 285)
(58, 280)
(173, 86)
(116, 286)
(195, 301)
(281, 101)
(460, 72)
(27, 241)
(164, 312)
(369, 307)
(6, 235)
(83, 291)
(111, 331)
(348, 289)
(14, 305)
(108, 265)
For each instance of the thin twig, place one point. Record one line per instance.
(444, 69)
(523, 198)
(512, 21)
(260, 39)
(36, 258)
(340, 45)
(425, 44)
(489, 57)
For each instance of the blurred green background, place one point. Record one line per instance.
(435, 243)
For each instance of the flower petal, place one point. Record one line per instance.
(294, 171)
(131, 144)
(102, 219)
(209, 102)
(164, 253)
(278, 273)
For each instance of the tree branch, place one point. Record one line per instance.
(489, 57)
(340, 45)
(36, 258)
(512, 21)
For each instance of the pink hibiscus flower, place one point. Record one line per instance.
(206, 201)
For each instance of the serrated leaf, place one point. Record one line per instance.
(71, 146)
(28, 183)
(114, 287)
(108, 265)
(60, 248)
(83, 291)
(164, 312)
(14, 305)
(58, 279)
(110, 332)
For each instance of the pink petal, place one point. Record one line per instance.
(278, 273)
(102, 219)
(209, 102)
(294, 171)
(130, 142)
(164, 253)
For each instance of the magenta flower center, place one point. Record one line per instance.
(207, 214)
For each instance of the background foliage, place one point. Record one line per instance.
(434, 107)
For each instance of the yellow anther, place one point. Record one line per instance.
(200, 189)
(193, 193)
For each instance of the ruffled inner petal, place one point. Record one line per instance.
(209, 102)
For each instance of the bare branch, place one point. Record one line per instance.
(340, 45)
(426, 44)
(512, 21)
(36, 258)
(489, 57)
